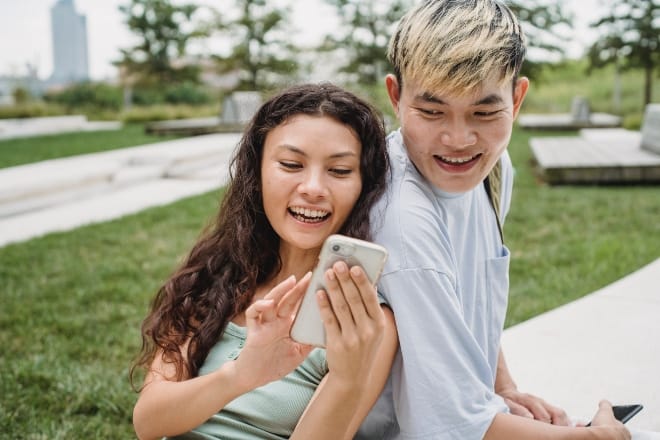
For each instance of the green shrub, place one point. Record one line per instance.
(31, 109)
(142, 114)
(187, 93)
(88, 94)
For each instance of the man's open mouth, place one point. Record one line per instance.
(457, 161)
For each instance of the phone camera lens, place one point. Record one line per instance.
(336, 247)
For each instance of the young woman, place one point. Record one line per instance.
(216, 348)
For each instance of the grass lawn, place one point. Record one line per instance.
(27, 150)
(72, 302)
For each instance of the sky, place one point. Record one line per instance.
(25, 31)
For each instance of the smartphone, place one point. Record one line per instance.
(308, 327)
(623, 413)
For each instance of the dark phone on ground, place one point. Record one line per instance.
(623, 413)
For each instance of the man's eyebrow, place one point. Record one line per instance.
(426, 96)
(491, 99)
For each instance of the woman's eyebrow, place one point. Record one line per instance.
(296, 150)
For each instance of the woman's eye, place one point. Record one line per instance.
(290, 165)
(341, 171)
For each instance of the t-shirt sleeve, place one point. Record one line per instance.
(437, 390)
(442, 381)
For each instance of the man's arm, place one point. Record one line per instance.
(507, 426)
(523, 404)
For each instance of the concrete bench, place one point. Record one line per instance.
(28, 127)
(237, 110)
(602, 156)
(36, 186)
(601, 346)
(579, 117)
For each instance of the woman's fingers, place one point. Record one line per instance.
(289, 302)
(330, 323)
(367, 292)
(336, 280)
(277, 292)
(260, 311)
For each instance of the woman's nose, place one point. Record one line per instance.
(313, 184)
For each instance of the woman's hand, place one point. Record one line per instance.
(354, 323)
(270, 353)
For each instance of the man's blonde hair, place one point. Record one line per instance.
(455, 45)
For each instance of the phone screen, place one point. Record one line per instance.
(623, 413)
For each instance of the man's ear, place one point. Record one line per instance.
(522, 85)
(393, 91)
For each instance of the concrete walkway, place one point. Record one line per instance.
(62, 194)
(605, 345)
(47, 125)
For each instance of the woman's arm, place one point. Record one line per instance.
(362, 343)
(168, 407)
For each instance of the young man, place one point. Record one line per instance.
(456, 93)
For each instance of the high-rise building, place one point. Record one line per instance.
(70, 62)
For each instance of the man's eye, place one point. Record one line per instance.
(430, 112)
(485, 114)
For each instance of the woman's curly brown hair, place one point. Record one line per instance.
(239, 251)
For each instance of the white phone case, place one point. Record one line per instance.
(308, 327)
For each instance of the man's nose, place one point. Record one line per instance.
(458, 133)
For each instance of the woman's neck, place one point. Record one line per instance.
(294, 262)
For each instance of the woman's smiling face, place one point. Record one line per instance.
(310, 177)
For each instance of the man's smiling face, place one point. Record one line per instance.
(454, 140)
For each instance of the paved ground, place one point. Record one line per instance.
(605, 345)
(28, 127)
(61, 194)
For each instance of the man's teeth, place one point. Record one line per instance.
(456, 160)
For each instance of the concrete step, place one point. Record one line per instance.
(603, 346)
(47, 125)
(36, 186)
(102, 207)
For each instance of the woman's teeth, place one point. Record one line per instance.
(309, 215)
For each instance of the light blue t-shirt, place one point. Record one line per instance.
(446, 280)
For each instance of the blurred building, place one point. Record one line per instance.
(70, 60)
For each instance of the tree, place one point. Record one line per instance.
(261, 53)
(366, 27)
(542, 24)
(164, 30)
(630, 38)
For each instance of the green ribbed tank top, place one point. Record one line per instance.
(269, 412)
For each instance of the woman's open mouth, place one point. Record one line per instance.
(307, 215)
